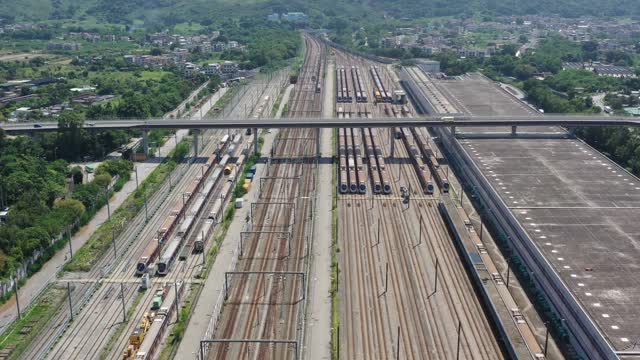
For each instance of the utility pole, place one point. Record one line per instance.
(108, 206)
(508, 270)
(70, 247)
(136, 168)
(177, 301)
(420, 231)
(458, 348)
(398, 345)
(124, 312)
(435, 288)
(17, 299)
(69, 296)
(546, 338)
(386, 279)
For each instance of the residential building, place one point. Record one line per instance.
(63, 46)
(295, 17)
(229, 70)
(190, 69)
(273, 17)
(213, 69)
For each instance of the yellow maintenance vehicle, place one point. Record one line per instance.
(136, 337)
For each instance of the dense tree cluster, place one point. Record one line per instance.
(269, 45)
(41, 205)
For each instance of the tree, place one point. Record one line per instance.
(102, 180)
(71, 209)
(77, 175)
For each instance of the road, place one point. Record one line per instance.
(38, 281)
(316, 122)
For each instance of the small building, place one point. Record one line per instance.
(213, 69)
(273, 17)
(83, 89)
(23, 112)
(190, 69)
(229, 70)
(296, 17)
(63, 46)
(633, 111)
(429, 66)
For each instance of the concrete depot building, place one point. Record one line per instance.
(569, 213)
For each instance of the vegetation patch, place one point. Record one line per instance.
(34, 320)
(100, 241)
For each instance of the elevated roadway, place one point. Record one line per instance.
(430, 121)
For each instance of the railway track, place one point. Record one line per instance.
(91, 328)
(94, 324)
(270, 307)
(81, 293)
(189, 263)
(392, 306)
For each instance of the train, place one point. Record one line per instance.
(319, 75)
(358, 85)
(259, 110)
(380, 93)
(342, 84)
(342, 171)
(384, 176)
(213, 218)
(153, 249)
(374, 173)
(438, 173)
(416, 158)
(357, 154)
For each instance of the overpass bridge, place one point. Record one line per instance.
(450, 121)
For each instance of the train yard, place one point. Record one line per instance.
(418, 275)
(263, 312)
(405, 292)
(123, 307)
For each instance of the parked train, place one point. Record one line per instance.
(358, 85)
(155, 246)
(438, 173)
(416, 158)
(380, 93)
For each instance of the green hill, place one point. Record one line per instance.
(167, 12)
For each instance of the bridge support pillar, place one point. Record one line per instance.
(453, 130)
(392, 142)
(514, 130)
(318, 142)
(256, 139)
(196, 133)
(145, 141)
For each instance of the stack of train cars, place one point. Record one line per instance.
(344, 94)
(438, 173)
(380, 93)
(182, 216)
(418, 163)
(358, 85)
(318, 77)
